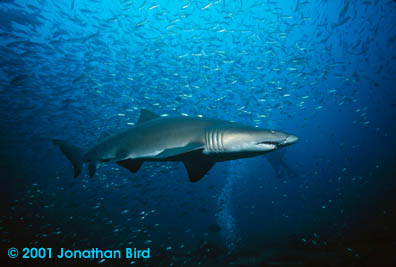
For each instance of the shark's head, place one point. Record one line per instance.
(250, 140)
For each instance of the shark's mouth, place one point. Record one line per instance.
(269, 144)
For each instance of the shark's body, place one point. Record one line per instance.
(198, 142)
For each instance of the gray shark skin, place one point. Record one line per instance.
(198, 142)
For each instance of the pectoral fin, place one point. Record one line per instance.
(197, 166)
(132, 165)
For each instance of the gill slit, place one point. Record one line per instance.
(208, 140)
(221, 141)
(217, 142)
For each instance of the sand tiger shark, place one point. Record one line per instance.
(197, 142)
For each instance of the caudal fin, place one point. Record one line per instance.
(73, 154)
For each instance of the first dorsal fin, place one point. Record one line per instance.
(147, 115)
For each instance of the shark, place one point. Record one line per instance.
(198, 142)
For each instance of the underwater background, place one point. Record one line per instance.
(322, 70)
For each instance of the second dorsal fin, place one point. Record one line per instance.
(147, 115)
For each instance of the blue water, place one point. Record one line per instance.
(322, 70)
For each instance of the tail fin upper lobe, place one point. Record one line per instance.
(73, 154)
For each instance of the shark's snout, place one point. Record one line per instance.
(290, 139)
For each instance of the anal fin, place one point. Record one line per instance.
(132, 165)
(92, 166)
